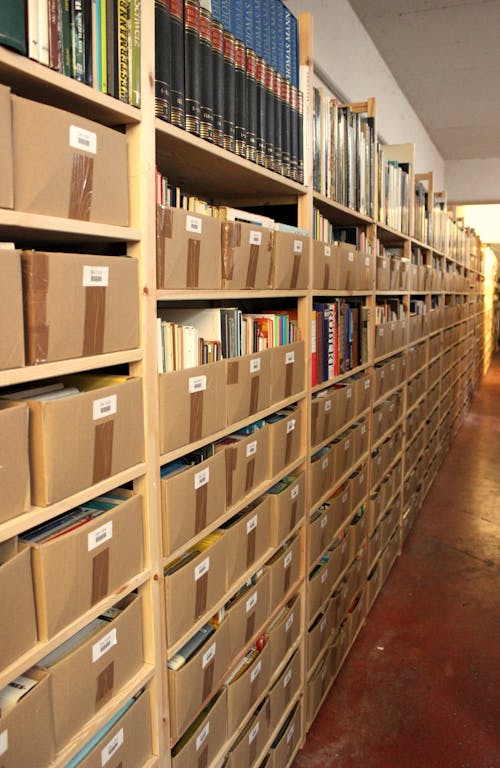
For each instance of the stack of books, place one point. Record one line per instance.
(339, 338)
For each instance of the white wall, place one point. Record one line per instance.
(343, 49)
(473, 181)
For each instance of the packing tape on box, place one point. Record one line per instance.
(231, 239)
(201, 508)
(254, 394)
(203, 757)
(193, 263)
(289, 447)
(250, 474)
(232, 374)
(254, 681)
(289, 378)
(164, 225)
(253, 261)
(196, 416)
(208, 679)
(287, 578)
(100, 576)
(252, 751)
(81, 188)
(293, 513)
(103, 451)
(231, 456)
(297, 260)
(36, 276)
(251, 546)
(94, 322)
(250, 627)
(105, 682)
(200, 604)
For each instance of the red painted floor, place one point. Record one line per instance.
(421, 686)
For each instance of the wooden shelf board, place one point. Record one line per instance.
(35, 228)
(391, 292)
(339, 214)
(65, 367)
(222, 295)
(389, 236)
(332, 293)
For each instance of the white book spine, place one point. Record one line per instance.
(43, 32)
(33, 49)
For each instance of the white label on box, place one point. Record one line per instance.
(393, 366)
(79, 138)
(367, 261)
(255, 365)
(287, 560)
(251, 602)
(297, 246)
(4, 742)
(290, 733)
(98, 276)
(100, 535)
(255, 671)
(323, 673)
(382, 374)
(324, 463)
(324, 521)
(324, 576)
(384, 264)
(103, 645)
(202, 478)
(290, 357)
(202, 568)
(367, 383)
(201, 738)
(328, 406)
(328, 250)
(290, 426)
(255, 237)
(322, 626)
(363, 429)
(381, 331)
(350, 256)
(287, 678)
(197, 384)
(348, 392)
(295, 492)
(112, 747)
(344, 547)
(251, 448)
(208, 655)
(391, 407)
(289, 622)
(253, 733)
(252, 523)
(380, 416)
(393, 327)
(105, 406)
(347, 445)
(194, 224)
(344, 498)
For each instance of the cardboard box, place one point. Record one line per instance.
(287, 371)
(342, 448)
(381, 342)
(373, 584)
(248, 385)
(187, 250)
(6, 165)
(14, 463)
(128, 744)
(284, 689)
(284, 631)
(287, 507)
(16, 589)
(344, 403)
(323, 417)
(199, 396)
(321, 531)
(252, 739)
(284, 570)
(207, 738)
(69, 166)
(193, 684)
(11, 303)
(77, 305)
(363, 391)
(321, 474)
(288, 739)
(340, 505)
(359, 529)
(30, 716)
(347, 268)
(340, 554)
(247, 615)
(359, 436)
(317, 636)
(246, 253)
(285, 438)
(243, 691)
(95, 670)
(324, 266)
(247, 464)
(359, 485)
(291, 261)
(357, 613)
(395, 275)
(247, 538)
(319, 586)
(364, 269)
(337, 605)
(96, 559)
(383, 276)
(317, 686)
(199, 492)
(194, 588)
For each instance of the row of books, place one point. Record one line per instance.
(339, 338)
(69, 521)
(97, 42)
(228, 71)
(344, 153)
(326, 232)
(191, 337)
(390, 309)
(394, 194)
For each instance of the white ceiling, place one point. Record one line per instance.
(445, 56)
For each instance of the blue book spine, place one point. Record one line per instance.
(250, 24)
(274, 34)
(226, 14)
(266, 31)
(258, 27)
(294, 41)
(280, 37)
(217, 10)
(238, 19)
(288, 43)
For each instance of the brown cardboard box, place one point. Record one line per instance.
(192, 405)
(347, 268)
(342, 448)
(363, 390)
(323, 416)
(337, 605)
(26, 732)
(247, 538)
(383, 280)
(356, 615)
(247, 615)
(291, 261)
(319, 586)
(317, 685)
(284, 689)
(287, 371)
(324, 266)
(69, 167)
(322, 473)
(285, 438)
(395, 275)
(11, 303)
(246, 253)
(128, 743)
(95, 670)
(340, 553)
(359, 481)
(381, 342)
(340, 505)
(194, 588)
(364, 269)
(288, 739)
(344, 403)
(96, 559)
(14, 463)
(187, 250)
(318, 635)
(16, 589)
(284, 631)
(373, 584)
(321, 531)
(287, 506)
(248, 385)
(199, 492)
(247, 464)
(359, 529)
(207, 737)
(243, 691)
(284, 570)
(6, 170)
(252, 739)
(77, 305)
(79, 440)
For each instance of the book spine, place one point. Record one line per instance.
(112, 47)
(43, 30)
(32, 30)
(278, 123)
(218, 80)
(78, 41)
(207, 83)
(177, 109)
(162, 59)
(300, 137)
(314, 380)
(286, 127)
(330, 316)
(270, 118)
(123, 52)
(54, 29)
(251, 91)
(261, 104)
(240, 97)
(217, 11)
(229, 91)
(192, 68)
(103, 43)
(226, 11)
(294, 132)
(135, 54)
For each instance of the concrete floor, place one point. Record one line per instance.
(421, 686)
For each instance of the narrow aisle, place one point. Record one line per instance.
(421, 687)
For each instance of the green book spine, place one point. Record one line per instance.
(13, 25)
(67, 66)
(77, 40)
(135, 54)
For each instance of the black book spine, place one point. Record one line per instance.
(218, 81)
(294, 125)
(240, 99)
(270, 116)
(260, 88)
(300, 137)
(206, 74)
(278, 123)
(192, 66)
(162, 59)
(229, 89)
(251, 69)
(87, 41)
(112, 46)
(286, 127)
(177, 63)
